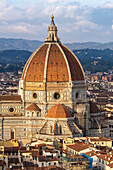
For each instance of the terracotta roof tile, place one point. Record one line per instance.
(92, 153)
(33, 107)
(79, 146)
(101, 139)
(44, 158)
(75, 66)
(58, 111)
(35, 67)
(57, 65)
(35, 153)
(12, 97)
(106, 157)
(94, 108)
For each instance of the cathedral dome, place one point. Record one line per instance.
(52, 62)
(58, 111)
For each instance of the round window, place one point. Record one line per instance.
(34, 95)
(56, 95)
(11, 109)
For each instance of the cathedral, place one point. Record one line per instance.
(51, 100)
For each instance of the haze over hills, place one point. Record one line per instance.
(32, 45)
(89, 45)
(19, 44)
(93, 56)
(91, 59)
(14, 56)
(95, 60)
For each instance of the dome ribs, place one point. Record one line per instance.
(35, 71)
(57, 67)
(75, 67)
(62, 65)
(58, 111)
(25, 68)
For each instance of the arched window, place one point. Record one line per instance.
(56, 128)
(33, 114)
(52, 37)
(60, 129)
(51, 129)
(37, 114)
(77, 95)
(12, 134)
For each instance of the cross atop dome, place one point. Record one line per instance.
(52, 32)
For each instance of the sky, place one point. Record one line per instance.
(77, 21)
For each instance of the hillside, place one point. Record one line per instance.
(95, 60)
(13, 60)
(91, 59)
(90, 45)
(32, 45)
(14, 56)
(19, 44)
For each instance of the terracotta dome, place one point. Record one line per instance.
(52, 62)
(58, 111)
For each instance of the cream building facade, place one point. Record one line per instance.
(52, 95)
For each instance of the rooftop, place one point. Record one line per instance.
(58, 111)
(79, 146)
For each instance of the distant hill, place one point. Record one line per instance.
(32, 45)
(13, 60)
(91, 59)
(14, 56)
(90, 45)
(95, 60)
(19, 44)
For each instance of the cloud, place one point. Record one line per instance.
(53, 1)
(79, 22)
(86, 26)
(58, 1)
(20, 28)
(11, 14)
(107, 5)
(2, 4)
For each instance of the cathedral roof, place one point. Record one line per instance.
(94, 108)
(52, 62)
(33, 107)
(58, 111)
(11, 97)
